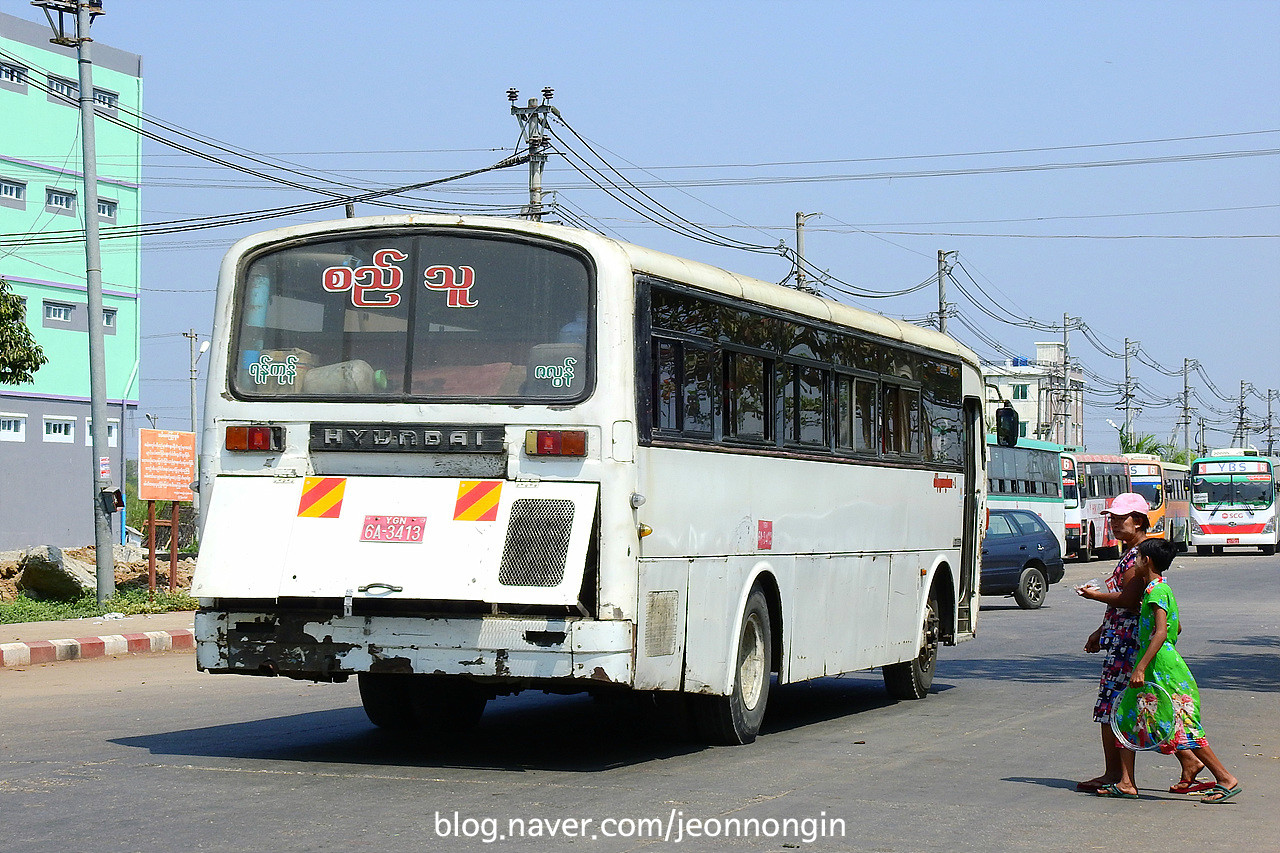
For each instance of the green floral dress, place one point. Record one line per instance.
(1168, 670)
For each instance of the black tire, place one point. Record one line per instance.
(911, 679)
(423, 703)
(1203, 550)
(736, 718)
(1031, 589)
(1268, 550)
(387, 699)
(1085, 553)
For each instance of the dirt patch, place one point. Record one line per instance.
(131, 574)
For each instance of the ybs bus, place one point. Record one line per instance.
(1089, 483)
(1028, 476)
(1166, 489)
(1233, 502)
(460, 457)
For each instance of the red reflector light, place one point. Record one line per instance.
(555, 442)
(254, 439)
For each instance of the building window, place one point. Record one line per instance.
(109, 318)
(60, 430)
(10, 73)
(1022, 428)
(57, 312)
(13, 427)
(63, 90)
(107, 209)
(103, 98)
(13, 194)
(60, 201)
(1020, 392)
(113, 432)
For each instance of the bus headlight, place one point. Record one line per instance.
(1159, 528)
(1195, 528)
(1270, 526)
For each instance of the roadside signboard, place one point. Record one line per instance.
(166, 465)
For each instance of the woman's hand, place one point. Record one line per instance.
(1137, 678)
(1093, 645)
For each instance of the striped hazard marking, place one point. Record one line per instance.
(477, 500)
(322, 497)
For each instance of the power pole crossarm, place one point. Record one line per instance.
(533, 123)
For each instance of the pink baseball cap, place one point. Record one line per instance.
(1128, 503)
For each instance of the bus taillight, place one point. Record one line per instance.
(255, 439)
(555, 442)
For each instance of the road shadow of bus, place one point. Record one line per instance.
(519, 733)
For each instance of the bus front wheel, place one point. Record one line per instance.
(736, 718)
(911, 679)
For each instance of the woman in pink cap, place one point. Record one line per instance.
(1118, 635)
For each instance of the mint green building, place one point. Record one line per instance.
(45, 426)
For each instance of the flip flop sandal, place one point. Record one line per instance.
(1115, 792)
(1192, 787)
(1088, 787)
(1219, 794)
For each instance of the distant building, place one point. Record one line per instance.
(1048, 409)
(46, 479)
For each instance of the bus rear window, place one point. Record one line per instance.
(414, 316)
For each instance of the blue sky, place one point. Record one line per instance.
(848, 102)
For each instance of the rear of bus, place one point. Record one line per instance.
(413, 453)
(1233, 503)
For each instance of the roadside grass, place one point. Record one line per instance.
(130, 602)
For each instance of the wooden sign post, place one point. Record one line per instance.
(166, 470)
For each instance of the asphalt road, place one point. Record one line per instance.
(145, 754)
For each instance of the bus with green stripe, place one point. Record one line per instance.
(1028, 476)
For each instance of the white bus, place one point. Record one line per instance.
(1233, 502)
(460, 457)
(1090, 482)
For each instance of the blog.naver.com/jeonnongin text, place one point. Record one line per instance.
(674, 827)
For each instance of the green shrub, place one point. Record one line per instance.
(127, 601)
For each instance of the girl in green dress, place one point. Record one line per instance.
(1161, 664)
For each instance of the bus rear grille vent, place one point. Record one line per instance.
(537, 543)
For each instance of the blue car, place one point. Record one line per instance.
(1020, 557)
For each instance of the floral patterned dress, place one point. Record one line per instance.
(1120, 641)
(1170, 671)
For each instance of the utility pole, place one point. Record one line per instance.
(1240, 427)
(1066, 398)
(84, 13)
(1271, 392)
(1186, 407)
(1128, 390)
(1202, 450)
(533, 124)
(195, 357)
(943, 271)
(800, 220)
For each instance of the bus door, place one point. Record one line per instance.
(974, 442)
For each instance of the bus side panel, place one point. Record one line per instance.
(662, 607)
(840, 606)
(711, 629)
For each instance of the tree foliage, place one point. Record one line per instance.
(20, 355)
(1147, 443)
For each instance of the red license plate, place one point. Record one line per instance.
(1233, 541)
(393, 528)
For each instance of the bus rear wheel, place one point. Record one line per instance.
(736, 718)
(423, 703)
(911, 679)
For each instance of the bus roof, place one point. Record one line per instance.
(655, 263)
(1033, 443)
(1097, 457)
